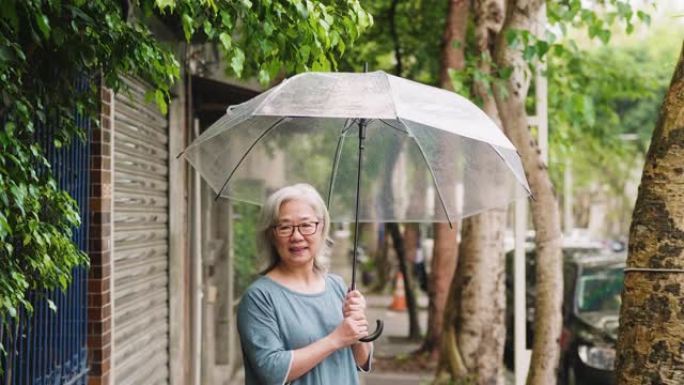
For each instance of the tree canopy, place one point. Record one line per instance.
(46, 45)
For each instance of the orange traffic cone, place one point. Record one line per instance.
(398, 298)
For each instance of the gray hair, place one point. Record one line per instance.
(269, 216)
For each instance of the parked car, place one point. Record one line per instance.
(593, 281)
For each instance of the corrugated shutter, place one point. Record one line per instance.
(141, 209)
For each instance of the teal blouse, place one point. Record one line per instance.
(274, 320)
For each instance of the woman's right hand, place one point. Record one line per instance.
(350, 330)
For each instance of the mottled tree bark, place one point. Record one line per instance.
(442, 267)
(472, 349)
(474, 332)
(650, 348)
(454, 40)
(445, 249)
(524, 15)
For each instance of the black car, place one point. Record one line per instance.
(593, 281)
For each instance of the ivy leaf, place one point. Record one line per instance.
(226, 41)
(188, 28)
(226, 20)
(163, 4)
(605, 34)
(645, 17)
(304, 52)
(237, 62)
(5, 228)
(51, 305)
(208, 29)
(160, 99)
(43, 24)
(542, 48)
(264, 77)
(9, 12)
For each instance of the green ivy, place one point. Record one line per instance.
(45, 45)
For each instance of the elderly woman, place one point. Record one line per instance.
(297, 323)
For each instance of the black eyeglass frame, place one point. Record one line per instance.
(298, 227)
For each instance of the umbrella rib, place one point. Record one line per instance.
(396, 128)
(432, 173)
(247, 153)
(338, 153)
(527, 189)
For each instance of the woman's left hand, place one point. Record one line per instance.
(354, 305)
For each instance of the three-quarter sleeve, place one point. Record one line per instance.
(261, 340)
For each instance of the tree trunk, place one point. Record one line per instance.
(414, 326)
(651, 337)
(392, 16)
(445, 244)
(472, 350)
(444, 256)
(411, 235)
(523, 15)
(474, 331)
(382, 265)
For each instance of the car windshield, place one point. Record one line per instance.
(599, 289)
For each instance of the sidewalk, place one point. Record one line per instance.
(393, 341)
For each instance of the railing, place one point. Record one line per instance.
(50, 346)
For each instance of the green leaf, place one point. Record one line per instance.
(268, 28)
(188, 27)
(226, 20)
(43, 24)
(264, 77)
(160, 99)
(645, 17)
(163, 4)
(8, 12)
(226, 41)
(542, 48)
(511, 37)
(208, 29)
(237, 61)
(51, 305)
(10, 127)
(6, 54)
(301, 9)
(5, 228)
(604, 35)
(304, 51)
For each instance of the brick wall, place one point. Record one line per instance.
(100, 243)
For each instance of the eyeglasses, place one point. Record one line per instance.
(306, 228)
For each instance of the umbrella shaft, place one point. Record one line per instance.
(362, 136)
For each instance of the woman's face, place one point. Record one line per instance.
(297, 250)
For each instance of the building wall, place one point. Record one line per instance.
(100, 247)
(179, 258)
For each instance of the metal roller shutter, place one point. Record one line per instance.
(140, 291)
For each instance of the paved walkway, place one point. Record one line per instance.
(393, 341)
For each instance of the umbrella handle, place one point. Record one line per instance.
(379, 325)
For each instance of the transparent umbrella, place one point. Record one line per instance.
(430, 155)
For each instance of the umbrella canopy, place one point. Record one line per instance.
(431, 155)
